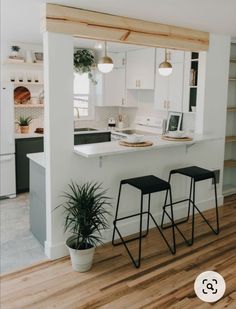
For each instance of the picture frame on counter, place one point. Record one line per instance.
(174, 121)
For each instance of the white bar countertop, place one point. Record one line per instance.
(114, 148)
(38, 158)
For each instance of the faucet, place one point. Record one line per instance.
(77, 112)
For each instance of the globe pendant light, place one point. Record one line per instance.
(165, 68)
(105, 64)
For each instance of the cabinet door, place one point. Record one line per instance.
(140, 69)
(132, 59)
(23, 147)
(114, 88)
(161, 92)
(146, 76)
(80, 139)
(118, 59)
(175, 88)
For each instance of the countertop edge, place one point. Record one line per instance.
(37, 158)
(78, 150)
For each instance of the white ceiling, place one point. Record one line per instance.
(20, 19)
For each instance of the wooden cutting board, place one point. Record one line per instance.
(184, 139)
(144, 144)
(21, 95)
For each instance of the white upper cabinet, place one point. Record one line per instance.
(140, 69)
(119, 59)
(169, 90)
(175, 92)
(114, 87)
(110, 89)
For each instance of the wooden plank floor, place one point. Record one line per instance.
(163, 281)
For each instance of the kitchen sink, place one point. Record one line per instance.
(84, 129)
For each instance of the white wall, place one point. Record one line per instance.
(216, 85)
(62, 164)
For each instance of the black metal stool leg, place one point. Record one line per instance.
(193, 217)
(217, 213)
(165, 203)
(216, 231)
(190, 198)
(148, 215)
(140, 233)
(116, 214)
(172, 218)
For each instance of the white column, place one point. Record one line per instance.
(216, 85)
(58, 137)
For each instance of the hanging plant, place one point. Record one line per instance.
(83, 62)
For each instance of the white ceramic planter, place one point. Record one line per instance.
(81, 260)
(14, 53)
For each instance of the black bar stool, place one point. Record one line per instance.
(196, 174)
(147, 185)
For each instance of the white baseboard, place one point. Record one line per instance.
(131, 225)
(55, 251)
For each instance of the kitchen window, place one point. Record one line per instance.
(83, 105)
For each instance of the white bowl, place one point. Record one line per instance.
(135, 138)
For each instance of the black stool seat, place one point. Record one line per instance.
(147, 184)
(195, 172)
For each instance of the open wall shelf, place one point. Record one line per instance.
(28, 105)
(229, 179)
(230, 163)
(231, 109)
(230, 139)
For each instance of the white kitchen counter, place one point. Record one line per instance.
(114, 148)
(38, 158)
(27, 135)
(32, 134)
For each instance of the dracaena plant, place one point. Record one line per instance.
(24, 121)
(86, 210)
(84, 61)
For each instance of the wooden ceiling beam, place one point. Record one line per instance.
(106, 27)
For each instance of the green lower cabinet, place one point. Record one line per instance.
(23, 147)
(92, 138)
(33, 145)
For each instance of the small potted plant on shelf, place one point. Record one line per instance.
(15, 50)
(84, 62)
(86, 215)
(24, 123)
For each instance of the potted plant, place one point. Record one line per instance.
(86, 212)
(84, 61)
(15, 50)
(24, 123)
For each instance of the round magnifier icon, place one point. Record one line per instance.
(210, 286)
